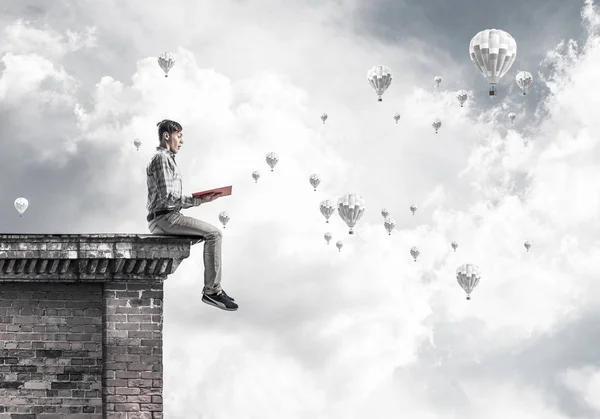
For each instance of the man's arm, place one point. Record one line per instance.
(167, 194)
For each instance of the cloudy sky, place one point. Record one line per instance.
(320, 333)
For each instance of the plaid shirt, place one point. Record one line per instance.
(165, 183)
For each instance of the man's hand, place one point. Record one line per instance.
(205, 198)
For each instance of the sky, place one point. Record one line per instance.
(364, 331)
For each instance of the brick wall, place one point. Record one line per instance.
(51, 352)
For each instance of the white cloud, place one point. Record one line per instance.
(364, 331)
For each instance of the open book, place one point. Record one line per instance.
(222, 191)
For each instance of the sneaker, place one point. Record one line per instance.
(220, 300)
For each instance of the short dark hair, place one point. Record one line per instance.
(166, 125)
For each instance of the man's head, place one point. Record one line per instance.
(170, 135)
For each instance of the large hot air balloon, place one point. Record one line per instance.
(493, 52)
(256, 176)
(272, 160)
(327, 208)
(350, 208)
(454, 245)
(328, 237)
(524, 80)
(512, 116)
(468, 277)
(414, 252)
(166, 62)
(462, 96)
(527, 245)
(339, 244)
(137, 143)
(413, 209)
(224, 218)
(385, 213)
(380, 78)
(397, 117)
(314, 180)
(389, 224)
(436, 81)
(436, 124)
(21, 205)
(324, 117)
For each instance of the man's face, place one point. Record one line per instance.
(175, 141)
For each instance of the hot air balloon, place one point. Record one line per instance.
(385, 213)
(454, 245)
(350, 208)
(493, 52)
(512, 116)
(327, 208)
(413, 209)
(524, 80)
(414, 252)
(436, 81)
(527, 245)
(256, 176)
(137, 143)
(324, 117)
(314, 180)
(224, 218)
(436, 124)
(339, 244)
(462, 96)
(389, 224)
(397, 117)
(468, 277)
(166, 62)
(328, 237)
(272, 160)
(380, 78)
(21, 205)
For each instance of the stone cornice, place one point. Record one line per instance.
(90, 257)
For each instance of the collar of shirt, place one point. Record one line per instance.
(165, 150)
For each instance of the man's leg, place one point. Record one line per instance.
(179, 224)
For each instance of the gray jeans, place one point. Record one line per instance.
(175, 223)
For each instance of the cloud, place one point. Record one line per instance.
(321, 332)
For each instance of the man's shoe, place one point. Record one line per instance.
(220, 300)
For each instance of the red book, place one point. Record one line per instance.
(223, 191)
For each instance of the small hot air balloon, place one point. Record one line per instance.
(389, 224)
(314, 180)
(327, 208)
(385, 213)
(21, 205)
(454, 245)
(512, 116)
(224, 218)
(527, 245)
(468, 277)
(328, 237)
(339, 244)
(397, 117)
(350, 208)
(272, 160)
(524, 80)
(493, 52)
(137, 143)
(166, 62)
(436, 81)
(413, 209)
(256, 176)
(324, 117)
(380, 78)
(414, 252)
(436, 124)
(462, 96)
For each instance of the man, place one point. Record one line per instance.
(165, 200)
